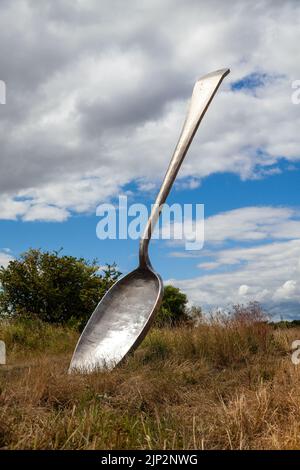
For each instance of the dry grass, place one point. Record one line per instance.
(218, 386)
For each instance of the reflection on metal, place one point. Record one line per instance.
(124, 315)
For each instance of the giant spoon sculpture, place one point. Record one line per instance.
(124, 315)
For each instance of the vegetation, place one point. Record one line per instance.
(65, 290)
(173, 311)
(228, 383)
(286, 324)
(52, 287)
(26, 337)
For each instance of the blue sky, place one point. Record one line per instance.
(95, 111)
(219, 193)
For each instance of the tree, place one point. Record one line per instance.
(54, 288)
(173, 308)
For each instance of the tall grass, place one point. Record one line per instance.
(24, 337)
(225, 384)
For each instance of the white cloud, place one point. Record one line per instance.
(244, 224)
(11, 209)
(243, 290)
(286, 291)
(252, 223)
(45, 213)
(268, 270)
(5, 258)
(95, 102)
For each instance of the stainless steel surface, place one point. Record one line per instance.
(124, 315)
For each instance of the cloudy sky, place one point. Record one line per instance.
(96, 96)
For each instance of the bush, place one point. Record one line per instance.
(173, 308)
(53, 288)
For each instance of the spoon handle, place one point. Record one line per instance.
(203, 93)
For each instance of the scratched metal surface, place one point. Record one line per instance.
(118, 321)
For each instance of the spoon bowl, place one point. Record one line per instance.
(122, 318)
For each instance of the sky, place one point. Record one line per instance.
(96, 94)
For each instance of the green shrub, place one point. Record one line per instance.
(52, 287)
(173, 310)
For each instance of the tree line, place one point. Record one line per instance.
(62, 289)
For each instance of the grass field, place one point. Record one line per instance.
(221, 385)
